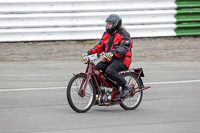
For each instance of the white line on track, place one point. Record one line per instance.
(54, 88)
(29, 89)
(173, 82)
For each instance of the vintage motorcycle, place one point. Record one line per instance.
(94, 88)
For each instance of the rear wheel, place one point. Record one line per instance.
(77, 102)
(134, 100)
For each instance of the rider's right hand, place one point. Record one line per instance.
(84, 54)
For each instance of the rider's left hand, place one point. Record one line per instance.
(84, 55)
(109, 55)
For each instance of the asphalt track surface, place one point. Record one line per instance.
(33, 100)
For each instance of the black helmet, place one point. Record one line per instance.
(116, 22)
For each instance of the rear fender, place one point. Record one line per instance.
(138, 71)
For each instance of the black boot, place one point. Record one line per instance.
(125, 90)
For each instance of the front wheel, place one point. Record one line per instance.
(77, 102)
(134, 100)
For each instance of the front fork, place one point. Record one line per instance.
(85, 83)
(84, 86)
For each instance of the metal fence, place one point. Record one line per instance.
(39, 20)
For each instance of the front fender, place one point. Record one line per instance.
(79, 73)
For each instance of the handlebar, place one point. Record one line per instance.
(92, 58)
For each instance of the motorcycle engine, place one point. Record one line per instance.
(106, 95)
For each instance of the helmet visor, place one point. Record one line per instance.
(109, 25)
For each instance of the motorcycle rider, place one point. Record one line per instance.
(116, 44)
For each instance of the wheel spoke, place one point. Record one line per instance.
(134, 99)
(77, 102)
(88, 95)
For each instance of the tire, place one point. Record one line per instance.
(134, 100)
(76, 102)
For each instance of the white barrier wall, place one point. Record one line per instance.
(83, 19)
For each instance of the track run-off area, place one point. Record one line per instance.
(33, 99)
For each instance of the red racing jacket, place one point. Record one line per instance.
(119, 43)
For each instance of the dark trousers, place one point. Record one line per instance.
(112, 69)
